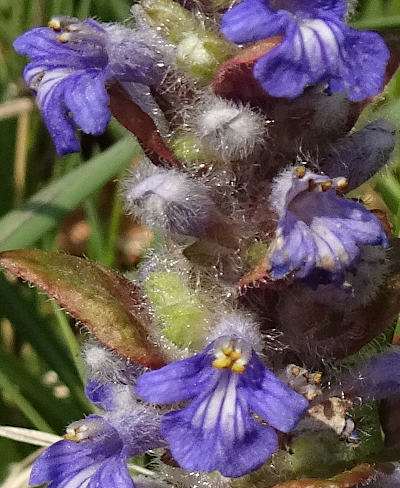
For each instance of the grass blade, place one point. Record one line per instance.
(24, 226)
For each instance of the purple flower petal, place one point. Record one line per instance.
(50, 96)
(364, 57)
(70, 67)
(112, 473)
(39, 42)
(313, 7)
(63, 456)
(87, 99)
(268, 397)
(376, 379)
(100, 394)
(178, 381)
(216, 432)
(96, 458)
(253, 20)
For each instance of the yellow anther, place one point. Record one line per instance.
(64, 37)
(222, 363)
(325, 186)
(235, 355)
(295, 371)
(317, 378)
(227, 350)
(54, 24)
(238, 367)
(229, 355)
(72, 437)
(300, 171)
(341, 183)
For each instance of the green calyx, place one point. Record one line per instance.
(177, 307)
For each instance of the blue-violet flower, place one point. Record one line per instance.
(317, 47)
(72, 60)
(95, 449)
(232, 394)
(91, 455)
(319, 232)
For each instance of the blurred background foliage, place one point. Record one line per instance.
(73, 204)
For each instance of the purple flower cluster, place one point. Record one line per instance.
(218, 430)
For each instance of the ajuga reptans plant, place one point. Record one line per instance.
(232, 358)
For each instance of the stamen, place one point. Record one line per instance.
(238, 367)
(54, 24)
(64, 37)
(325, 186)
(227, 350)
(75, 435)
(295, 371)
(311, 185)
(317, 378)
(235, 355)
(341, 183)
(222, 363)
(78, 434)
(230, 356)
(300, 171)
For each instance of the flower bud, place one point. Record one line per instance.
(169, 201)
(359, 156)
(233, 131)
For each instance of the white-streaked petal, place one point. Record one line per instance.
(81, 479)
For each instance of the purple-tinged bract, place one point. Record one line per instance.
(317, 47)
(72, 61)
(216, 431)
(319, 232)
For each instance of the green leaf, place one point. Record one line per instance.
(109, 304)
(24, 226)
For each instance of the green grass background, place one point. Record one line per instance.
(38, 190)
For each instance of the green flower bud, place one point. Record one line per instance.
(169, 17)
(200, 53)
